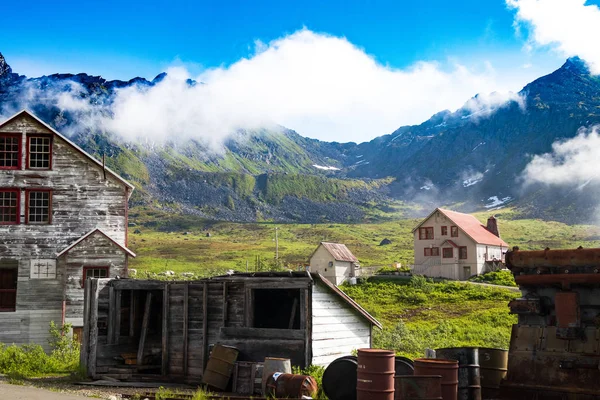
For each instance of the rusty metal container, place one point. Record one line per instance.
(290, 385)
(339, 379)
(220, 366)
(469, 383)
(448, 369)
(272, 365)
(404, 366)
(423, 387)
(493, 366)
(375, 376)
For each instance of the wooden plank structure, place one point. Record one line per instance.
(293, 315)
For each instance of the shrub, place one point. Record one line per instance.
(502, 277)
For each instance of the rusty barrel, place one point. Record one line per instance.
(493, 364)
(272, 365)
(422, 387)
(375, 376)
(448, 369)
(291, 385)
(220, 366)
(339, 379)
(469, 383)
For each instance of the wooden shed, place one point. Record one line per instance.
(166, 329)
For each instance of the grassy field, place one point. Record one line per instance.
(420, 314)
(181, 244)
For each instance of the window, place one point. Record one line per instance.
(454, 231)
(39, 154)
(94, 272)
(8, 289)
(444, 231)
(425, 233)
(39, 206)
(10, 151)
(9, 206)
(462, 253)
(448, 252)
(42, 269)
(432, 252)
(276, 308)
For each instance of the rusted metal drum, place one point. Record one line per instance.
(272, 365)
(403, 366)
(339, 379)
(424, 387)
(469, 383)
(220, 366)
(375, 376)
(448, 369)
(493, 364)
(290, 385)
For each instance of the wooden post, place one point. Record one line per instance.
(224, 303)
(185, 328)
(204, 325)
(86, 325)
(111, 316)
(306, 322)
(140, 354)
(132, 305)
(118, 316)
(293, 314)
(93, 329)
(165, 331)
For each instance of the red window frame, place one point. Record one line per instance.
(28, 158)
(27, 194)
(12, 292)
(444, 231)
(18, 192)
(425, 233)
(86, 269)
(462, 253)
(20, 149)
(445, 252)
(431, 251)
(454, 231)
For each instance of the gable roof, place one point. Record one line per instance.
(450, 242)
(348, 300)
(470, 226)
(73, 145)
(87, 235)
(339, 252)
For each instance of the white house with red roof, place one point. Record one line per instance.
(453, 245)
(334, 261)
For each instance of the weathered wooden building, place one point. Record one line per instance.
(137, 327)
(63, 218)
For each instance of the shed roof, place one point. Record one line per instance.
(87, 235)
(73, 145)
(470, 226)
(339, 252)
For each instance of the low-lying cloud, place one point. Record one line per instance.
(319, 85)
(573, 162)
(569, 26)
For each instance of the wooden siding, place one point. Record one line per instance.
(337, 328)
(82, 200)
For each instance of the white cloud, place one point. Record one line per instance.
(483, 105)
(569, 26)
(572, 161)
(319, 85)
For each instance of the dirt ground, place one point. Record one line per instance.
(17, 392)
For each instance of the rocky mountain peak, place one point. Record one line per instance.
(5, 69)
(575, 65)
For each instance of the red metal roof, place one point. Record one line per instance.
(473, 228)
(451, 243)
(339, 252)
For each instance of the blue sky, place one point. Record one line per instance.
(122, 39)
(335, 70)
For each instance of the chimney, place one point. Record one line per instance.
(492, 226)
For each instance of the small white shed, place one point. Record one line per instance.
(334, 261)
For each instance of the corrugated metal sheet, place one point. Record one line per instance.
(339, 251)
